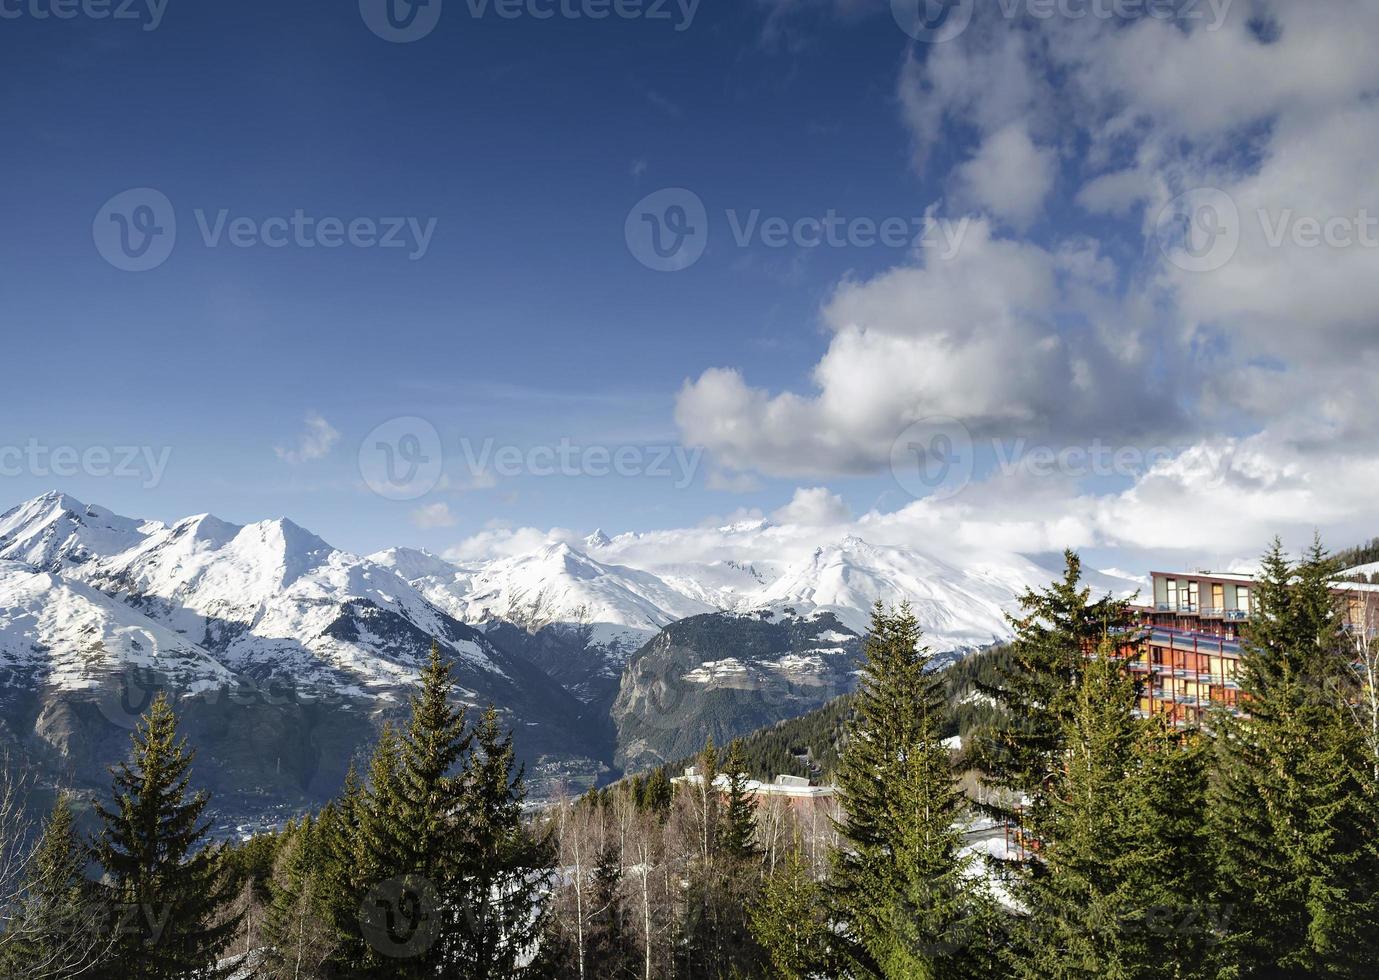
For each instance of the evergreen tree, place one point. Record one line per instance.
(338, 837)
(1293, 820)
(789, 924)
(429, 800)
(1170, 925)
(897, 889)
(57, 928)
(1034, 690)
(1073, 892)
(167, 889)
(658, 791)
(506, 870)
(740, 809)
(296, 931)
(612, 952)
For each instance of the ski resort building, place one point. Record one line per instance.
(1190, 650)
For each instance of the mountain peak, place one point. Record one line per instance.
(597, 540)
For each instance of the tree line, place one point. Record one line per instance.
(1071, 838)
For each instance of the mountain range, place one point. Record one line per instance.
(286, 654)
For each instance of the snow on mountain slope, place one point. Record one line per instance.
(55, 530)
(69, 635)
(1370, 569)
(957, 607)
(553, 584)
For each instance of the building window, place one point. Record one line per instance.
(1192, 597)
(1218, 596)
(1242, 598)
(1173, 594)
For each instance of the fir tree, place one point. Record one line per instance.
(740, 809)
(338, 838)
(57, 929)
(897, 888)
(1073, 891)
(1293, 821)
(167, 889)
(1058, 627)
(789, 924)
(429, 801)
(296, 930)
(506, 870)
(612, 953)
(1170, 924)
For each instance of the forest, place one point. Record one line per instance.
(1068, 837)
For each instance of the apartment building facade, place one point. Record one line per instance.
(1190, 650)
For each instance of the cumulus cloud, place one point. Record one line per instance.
(814, 506)
(976, 337)
(315, 442)
(1066, 337)
(1010, 177)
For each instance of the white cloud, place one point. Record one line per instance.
(316, 442)
(1062, 337)
(975, 337)
(814, 507)
(433, 516)
(1010, 176)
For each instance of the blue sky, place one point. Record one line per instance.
(528, 321)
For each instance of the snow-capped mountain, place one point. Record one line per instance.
(314, 643)
(957, 607)
(285, 653)
(555, 583)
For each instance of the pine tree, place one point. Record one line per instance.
(296, 930)
(612, 951)
(789, 924)
(338, 836)
(506, 870)
(1293, 821)
(897, 888)
(57, 928)
(168, 890)
(429, 801)
(740, 809)
(1170, 926)
(1073, 892)
(658, 792)
(1058, 627)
